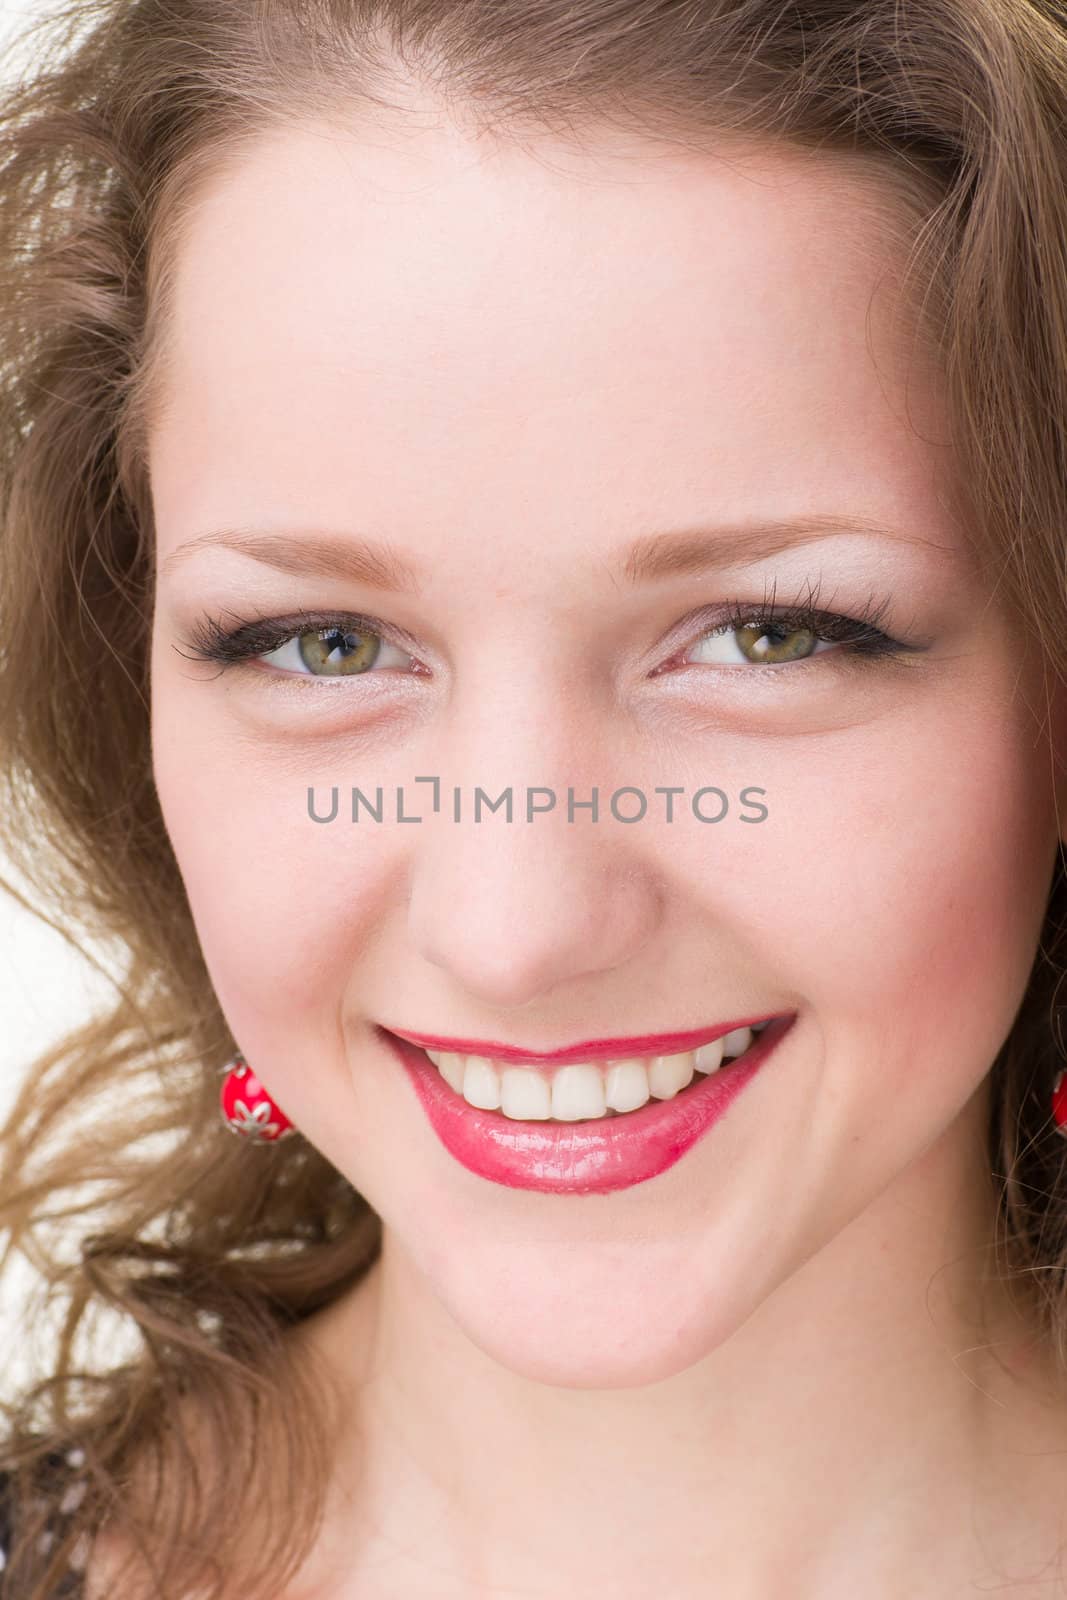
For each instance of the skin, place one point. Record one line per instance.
(767, 1366)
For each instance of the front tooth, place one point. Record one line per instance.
(733, 1043)
(669, 1074)
(525, 1095)
(709, 1056)
(481, 1084)
(578, 1091)
(626, 1085)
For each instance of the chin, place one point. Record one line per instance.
(627, 1329)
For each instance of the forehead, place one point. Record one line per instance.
(361, 315)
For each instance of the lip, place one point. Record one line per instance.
(642, 1044)
(593, 1157)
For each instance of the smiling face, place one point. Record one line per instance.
(511, 376)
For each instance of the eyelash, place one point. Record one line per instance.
(859, 632)
(210, 641)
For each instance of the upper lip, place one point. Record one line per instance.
(643, 1044)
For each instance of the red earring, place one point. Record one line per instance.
(1059, 1103)
(247, 1108)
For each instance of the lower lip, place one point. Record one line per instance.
(594, 1157)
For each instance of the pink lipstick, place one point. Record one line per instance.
(594, 1156)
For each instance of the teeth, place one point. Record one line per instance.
(481, 1084)
(668, 1074)
(584, 1089)
(577, 1091)
(733, 1043)
(450, 1067)
(709, 1056)
(523, 1094)
(626, 1085)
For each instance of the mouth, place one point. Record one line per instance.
(588, 1126)
(590, 1082)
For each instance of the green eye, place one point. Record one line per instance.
(757, 642)
(309, 644)
(333, 652)
(750, 634)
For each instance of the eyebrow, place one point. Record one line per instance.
(671, 553)
(685, 550)
(323, 555)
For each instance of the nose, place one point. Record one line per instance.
(510, 910)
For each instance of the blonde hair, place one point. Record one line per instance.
(118, 1183)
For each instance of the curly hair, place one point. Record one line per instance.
(136, 1215)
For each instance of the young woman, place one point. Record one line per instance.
(533, 606)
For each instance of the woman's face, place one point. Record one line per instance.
(506, 371)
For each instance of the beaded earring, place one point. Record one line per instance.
(247, 1108)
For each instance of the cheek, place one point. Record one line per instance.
(285, 908)
(911, 890)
